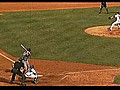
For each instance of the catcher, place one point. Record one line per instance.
(32, 74)
(116, 22)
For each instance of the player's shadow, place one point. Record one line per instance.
(7, 70)
(108, 13)
(19, 78)
(4, 80)
(7, 81)
(112, 12)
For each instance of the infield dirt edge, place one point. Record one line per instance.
(103, 31)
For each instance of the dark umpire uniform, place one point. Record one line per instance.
(103, 5)
(16, 70)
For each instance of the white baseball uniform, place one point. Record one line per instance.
(117, 22)
(31, 74)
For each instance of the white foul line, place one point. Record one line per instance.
(7, 58)
(94, 70)
(70, 73)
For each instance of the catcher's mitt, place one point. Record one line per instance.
(109, 17)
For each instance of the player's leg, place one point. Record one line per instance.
(110, 29)
(23, 78)
(36, 80)
(113, 25)
(101, 9)
(119, 26)
(13, 78)
(28, 65)
(25, 64)
(32, 75)
(106, 10)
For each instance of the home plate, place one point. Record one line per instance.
(39, 75)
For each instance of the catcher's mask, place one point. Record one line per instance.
(31, 66)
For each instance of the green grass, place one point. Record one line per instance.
(116, 79)
(59, 35)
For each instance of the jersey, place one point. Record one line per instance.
(17, 66)
(32, 73)
(26, 55)
(117, 16)
(103, 4)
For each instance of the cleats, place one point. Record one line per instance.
(22, 84)
(11, 82)
(110, 30)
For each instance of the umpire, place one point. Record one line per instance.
(17, 69)
(103, 5)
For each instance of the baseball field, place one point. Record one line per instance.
(70, 43)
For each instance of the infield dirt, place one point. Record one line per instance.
(56, 73)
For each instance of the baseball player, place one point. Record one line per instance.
(32, 74)
(26, 55)
(103, 5)
(18, 68)
(116, 22)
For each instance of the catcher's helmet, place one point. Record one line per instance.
(29, 49)
(31, 66)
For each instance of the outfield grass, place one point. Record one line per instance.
(59, 35)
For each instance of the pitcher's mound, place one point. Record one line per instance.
(103, 31)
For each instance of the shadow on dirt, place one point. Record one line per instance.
(108, 13)
(112, 12)
(4, 80)
(7, 70)
(7, 81)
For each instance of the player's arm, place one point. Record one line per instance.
(22, 69)
(24, 53)
(111, 17)
(28, 53)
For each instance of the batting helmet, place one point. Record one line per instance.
(29, 49)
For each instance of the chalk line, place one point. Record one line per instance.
(7, 58)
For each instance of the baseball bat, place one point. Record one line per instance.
(23, 47)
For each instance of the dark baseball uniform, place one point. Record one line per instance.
(16, 70)
(103, 5)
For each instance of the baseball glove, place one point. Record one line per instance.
(109, 17)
